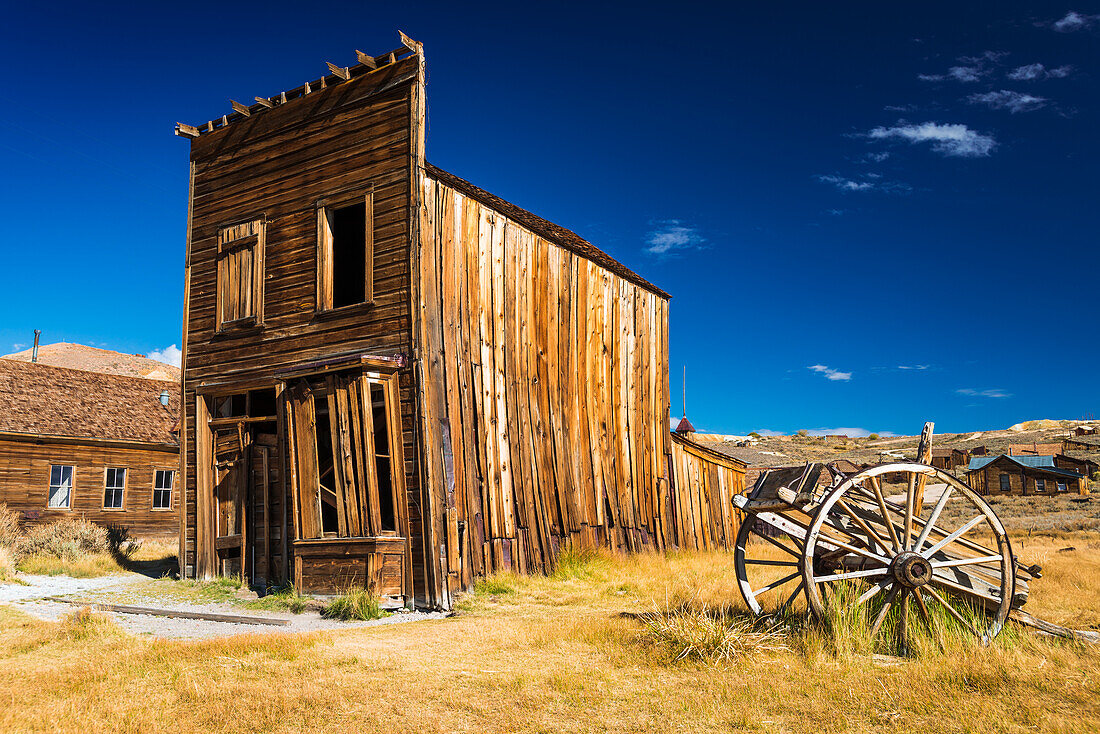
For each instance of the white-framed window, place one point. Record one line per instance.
(113, 488)
(162, 488)
(61, 486)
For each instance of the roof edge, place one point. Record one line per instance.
(544, 228)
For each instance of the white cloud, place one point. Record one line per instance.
(830, 373)
(983, 393)
(1007, 100)
(877, 157)
(17, 347)
(171, 354)
(1030, 72)
(671, 235)
(966, 73)
(948, 139)
(846, 184)
(1074, 21)
(913, 366)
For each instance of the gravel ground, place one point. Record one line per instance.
(31, 599)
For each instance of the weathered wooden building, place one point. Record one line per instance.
(395, 378)
(949, 458)
(1029, 475)
(75, 443)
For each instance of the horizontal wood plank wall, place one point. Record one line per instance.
(25, 484)
(277, 165)
(546, 399)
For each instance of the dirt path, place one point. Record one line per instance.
(127, 589)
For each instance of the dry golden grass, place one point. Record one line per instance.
(157, 557)
(556, 654)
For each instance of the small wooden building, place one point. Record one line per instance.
(949, 458)
(394, 378)
(100, 446)
(1029, 475)
(1034, 449)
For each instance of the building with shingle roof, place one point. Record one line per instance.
(89, 444)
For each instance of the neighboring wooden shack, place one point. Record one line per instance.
(1029, 475)
(100, 446)
(1034, 449)
(393, 378)
(950, 458)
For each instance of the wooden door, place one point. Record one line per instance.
(262, 490)
(230, 500)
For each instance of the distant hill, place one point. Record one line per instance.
(789, 450)
(91, 359)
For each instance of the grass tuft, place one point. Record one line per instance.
(83, 624)
(354, 605)
(704, 633)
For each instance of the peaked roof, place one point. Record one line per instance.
(1042, 463)
(92, 359)
(685, 426)
(39, 399)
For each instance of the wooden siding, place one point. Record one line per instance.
(987, 481)
(545, 405)
(277, 166)
(701, 503)
(25, 482)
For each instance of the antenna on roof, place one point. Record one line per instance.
(685, 426)
(34, 352)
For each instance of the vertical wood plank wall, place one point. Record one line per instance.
(546, 404)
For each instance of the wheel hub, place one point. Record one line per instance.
(911, 569)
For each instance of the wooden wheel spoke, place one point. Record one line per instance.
(764, 562)
(850, 575)
(885, 609)
(910, 493)
(863, 525)
(776, 584)
(966, 561)
(858, 551)
(876, 486)
(964, 529)
(927, 619)
(866, 596)
(952, 611)
(933, 517)
(903, 622)
(960, 589)
(776, 543)
(792, 597)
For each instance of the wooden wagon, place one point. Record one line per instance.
(866, 546)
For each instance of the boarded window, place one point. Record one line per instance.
(345, 252)
(346, 442)
(115, 485)
(61, 486)
(1005, 483)
(162, 489)
(240, 275)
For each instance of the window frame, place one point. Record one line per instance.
(1040, 485)
(122, 498)
(233, 238)
(72, 486)
(1062, 487)
(171, 490)
(1005, 482)
(326, 209)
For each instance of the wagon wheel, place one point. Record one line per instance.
(775, 580)
(896, 552)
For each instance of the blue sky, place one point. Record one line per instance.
(868, 215)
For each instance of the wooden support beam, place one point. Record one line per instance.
(243, 109)
(225, 120)
(366, 59)
(265, 102)
(414, 46)
(282, 97)
(210, 126)
(306, 89)
(340, 71)
(174, 614)
(188, 130)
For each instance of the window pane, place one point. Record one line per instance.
(61, 482)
